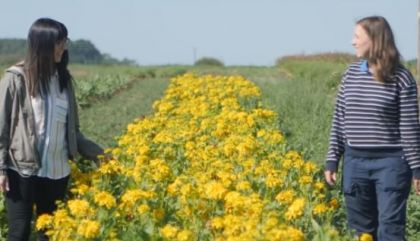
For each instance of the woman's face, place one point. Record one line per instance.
(59, 49)
(361, 42)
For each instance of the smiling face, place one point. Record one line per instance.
(361, 42)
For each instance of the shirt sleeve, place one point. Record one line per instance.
(409, 125)
(6, 98)
(337, 135)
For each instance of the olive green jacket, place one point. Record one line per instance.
(17, 127)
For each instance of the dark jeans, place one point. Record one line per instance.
(376, 186)
(24, 193)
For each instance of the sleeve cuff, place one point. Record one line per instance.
(416, 173)
(332, 166)
(3, 172)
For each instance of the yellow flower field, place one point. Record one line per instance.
(209, 164)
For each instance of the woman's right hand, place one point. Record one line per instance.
(4, 183)
(330, 177)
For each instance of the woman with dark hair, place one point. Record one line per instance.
(39, 129)
(376, 128)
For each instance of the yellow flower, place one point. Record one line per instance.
(295, 210)
(88, 229)
(44, 221)
(287, 234)
(320, 209)
(217, 223)
(294, 155)
(303, 180)
(130, 197)
(319, 186)
(215, 190)
(287, 164)
(105, 199)
(143, 209)
(79, 208)
(229, 149)
(169, 231)
(158, 214)
(273, 180)
(186, 189)
(80, 189)
(334, 204)
(366, 237)
(272, 222)
(160, 169)
(310, 167)
(285, 197)
(243, 186)
(110, 167)
(295, 234)
(184, 235)
(60, 217)
(261, 133)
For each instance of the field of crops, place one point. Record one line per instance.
(226, 153)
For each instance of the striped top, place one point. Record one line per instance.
(370, 114)
(50, 112)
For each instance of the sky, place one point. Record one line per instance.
(237, 32)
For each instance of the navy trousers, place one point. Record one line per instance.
(376, 185)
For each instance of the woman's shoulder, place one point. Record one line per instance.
(403, 76)
(12, 74)
(16, 69)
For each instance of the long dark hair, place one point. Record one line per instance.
(39, 63)
(383, 54)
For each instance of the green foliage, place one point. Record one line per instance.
(84, 52)
(413, 219)
(80, 51)
(12, 50)
(3, 223)
(208, 61)
(93, 88)
(305, 105)
(333, 57)
(104, 120)
(98, 82)
(302, 92)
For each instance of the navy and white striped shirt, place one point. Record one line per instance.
(370, 114)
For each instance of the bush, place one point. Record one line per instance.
(335, 57)
(208, 61)
(3, 225)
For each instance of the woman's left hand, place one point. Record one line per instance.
(104, 159)
(416, 184)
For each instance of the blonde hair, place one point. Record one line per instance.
(383, 56)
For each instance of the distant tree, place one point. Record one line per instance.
(85, 52)
(12, 50)
(81, 51)
(12, 46)
(208, 61)
(336, 57)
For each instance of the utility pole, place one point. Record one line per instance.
(418, 42)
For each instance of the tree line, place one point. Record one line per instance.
(80, 51)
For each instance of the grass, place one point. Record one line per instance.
(301, 92)
(105, 120)
(304, 121)
(305, 105)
